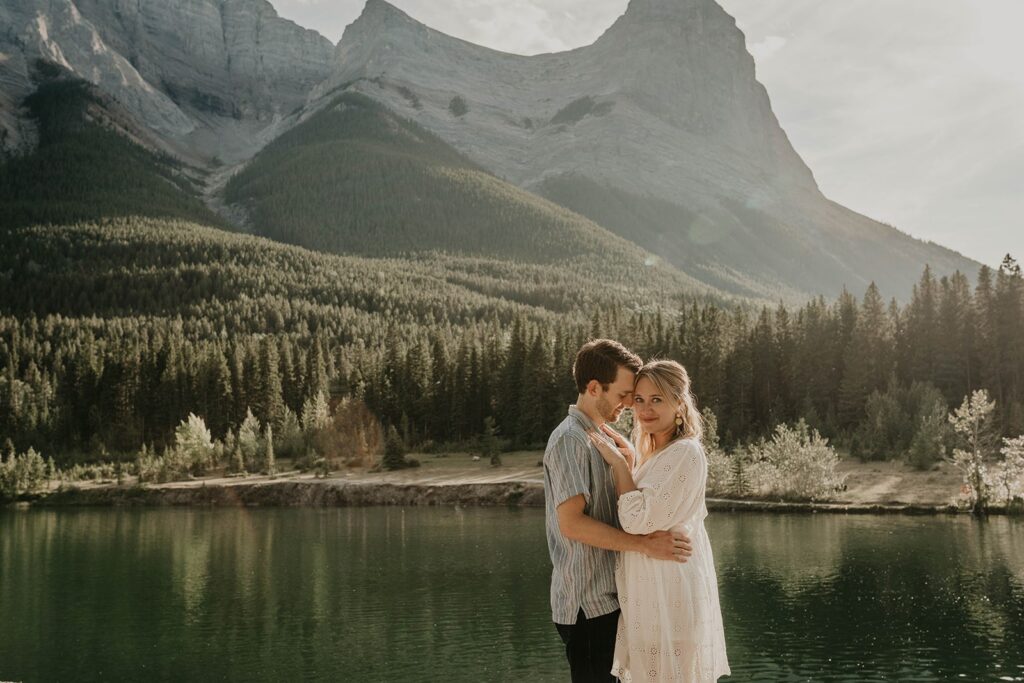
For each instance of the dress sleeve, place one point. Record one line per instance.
(567, 469)
(673, 491)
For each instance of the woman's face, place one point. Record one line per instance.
(654, 412)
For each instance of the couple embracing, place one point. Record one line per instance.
(634, 594)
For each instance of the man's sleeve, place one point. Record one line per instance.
(567, 463)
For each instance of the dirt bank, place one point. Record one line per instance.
(871, 488)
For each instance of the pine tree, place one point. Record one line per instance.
(867, 363)
(249, 439)
(269, 463)
(237, 460)
(394, 451)
(269, 404)
(490, 446)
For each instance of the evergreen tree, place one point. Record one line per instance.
(269, 403)
(249, 440)
(490, 445)
(867, 363)
(394, 451)
(269, 463)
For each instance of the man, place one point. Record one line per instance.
(580, 513)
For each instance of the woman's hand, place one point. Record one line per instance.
(622, 469)
(622, 444)
(611, 453)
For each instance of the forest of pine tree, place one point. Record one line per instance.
(111, 334)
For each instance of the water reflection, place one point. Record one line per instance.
(448, 594)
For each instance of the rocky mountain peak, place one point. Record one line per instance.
(663, 10)
(378, 16)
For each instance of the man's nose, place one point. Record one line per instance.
(628, 401)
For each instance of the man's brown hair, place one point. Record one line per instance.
(600, 359)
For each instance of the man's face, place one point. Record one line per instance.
(619, 396)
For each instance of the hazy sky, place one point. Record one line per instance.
(908, 111)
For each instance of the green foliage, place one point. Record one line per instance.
(458, 107)
(489, 443)
(1008, 478)
(249, 441)
(797, 463)
(291, 443)
(195, 444)
(237, 463)
(394, 451)
(973, 424)
(721, 467)
(929, 443)
(21, 474)
(575, 111)
(269, 461)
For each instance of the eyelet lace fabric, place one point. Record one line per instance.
(671, 627)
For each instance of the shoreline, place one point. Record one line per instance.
(339, 492)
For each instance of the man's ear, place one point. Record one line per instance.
(594, 387)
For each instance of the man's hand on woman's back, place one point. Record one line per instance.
(667, 545)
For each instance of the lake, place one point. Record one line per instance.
(443, 594)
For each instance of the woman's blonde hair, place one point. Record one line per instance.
(673, 383)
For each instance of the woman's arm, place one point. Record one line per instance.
(675, 479)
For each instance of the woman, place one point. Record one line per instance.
(670, 628)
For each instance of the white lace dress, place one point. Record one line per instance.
(671, 623)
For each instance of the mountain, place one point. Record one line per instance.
(658, 131)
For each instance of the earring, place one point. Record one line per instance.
(679, 420)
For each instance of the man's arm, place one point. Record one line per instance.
(576, 525)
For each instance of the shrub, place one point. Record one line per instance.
(458, 106)
(1008, 478)
(796, 463)
(194, 444)
(21, 474)
(928, 445)
(719, 462)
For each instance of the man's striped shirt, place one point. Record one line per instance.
(582, 576)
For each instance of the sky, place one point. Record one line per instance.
(908, 111)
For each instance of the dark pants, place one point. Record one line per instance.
(590, 647)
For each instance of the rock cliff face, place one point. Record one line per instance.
(58, 33)
(232, 58)
(207, 75)
(666, 95)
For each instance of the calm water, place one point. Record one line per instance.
(461, 595)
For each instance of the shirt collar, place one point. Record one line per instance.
(582, 418)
